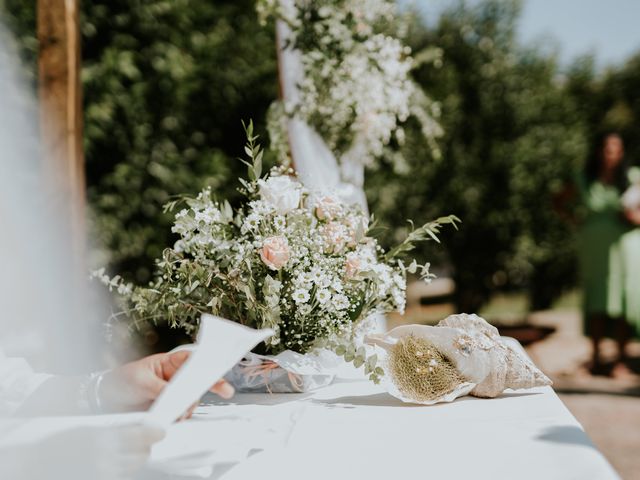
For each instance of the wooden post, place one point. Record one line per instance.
(61, 114)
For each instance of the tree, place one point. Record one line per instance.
(609, 101)
(166, 84)
(512, 137)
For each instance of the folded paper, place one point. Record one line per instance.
(221, 344)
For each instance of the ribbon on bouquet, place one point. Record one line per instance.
(265, 368)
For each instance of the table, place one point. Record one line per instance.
(353, 429)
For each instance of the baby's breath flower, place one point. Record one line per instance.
(357, 93)
(340, 302)
(279, 222)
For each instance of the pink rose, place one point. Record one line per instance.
(328, 208)
(275, 252)
(335, 237)
(352, 266)
(353, 225)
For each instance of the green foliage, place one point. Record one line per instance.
(166, 84)
(512, 137)
(609, 102)
(429, 231)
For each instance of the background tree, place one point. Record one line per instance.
(166, 84)
(512, 138)
(609, 102)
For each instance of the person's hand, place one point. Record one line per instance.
(135, 385)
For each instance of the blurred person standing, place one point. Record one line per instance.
(599, 255)
(630, 249)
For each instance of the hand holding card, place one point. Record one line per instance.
(221, 344)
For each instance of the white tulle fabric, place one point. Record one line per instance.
(316, 165)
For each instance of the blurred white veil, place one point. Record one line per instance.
(43, 305)
(46, 320)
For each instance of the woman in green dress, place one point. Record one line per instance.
(600, 261)
(630, 249)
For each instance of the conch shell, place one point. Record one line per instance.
(487, 363)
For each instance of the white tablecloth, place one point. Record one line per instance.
(352, 429)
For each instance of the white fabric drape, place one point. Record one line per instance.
(316, 165)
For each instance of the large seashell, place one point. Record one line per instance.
(509, 367)
(483, 358)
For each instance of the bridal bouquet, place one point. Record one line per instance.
(299, 262)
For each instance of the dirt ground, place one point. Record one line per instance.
(608, 409)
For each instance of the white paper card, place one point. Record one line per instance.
(221, 344)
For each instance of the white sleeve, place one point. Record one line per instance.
(17, 382)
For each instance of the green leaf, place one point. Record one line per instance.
(227, 211)
(372, 361)
(257, 164)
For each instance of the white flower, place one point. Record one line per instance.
(300, 296)
(282, 192)
(251, 223)
(260, 208)
(272, 300)
(323, 295)
(304, 309)
(279, 222)
(340, 302)
(305, 279)
(180, 246)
